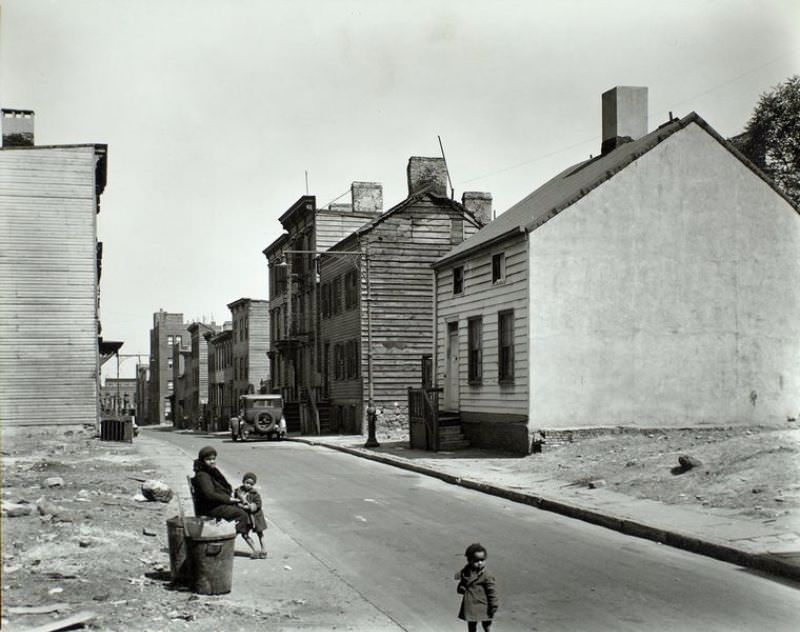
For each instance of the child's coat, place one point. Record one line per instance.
(480, 595)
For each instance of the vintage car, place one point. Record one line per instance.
(259, 416)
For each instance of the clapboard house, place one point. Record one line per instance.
(654, 285)
(376, 299)
(294, 348)
(50, 350)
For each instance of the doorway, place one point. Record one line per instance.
(451, 378)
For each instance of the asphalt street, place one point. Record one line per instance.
(397, 538)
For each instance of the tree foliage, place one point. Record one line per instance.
(772, 136)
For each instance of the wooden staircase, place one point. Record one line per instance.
(324, 410)
(451, 437)
(291, 412)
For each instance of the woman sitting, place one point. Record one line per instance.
(214, 495)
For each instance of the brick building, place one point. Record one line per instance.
(167, 330)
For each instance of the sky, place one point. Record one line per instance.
(214, 111)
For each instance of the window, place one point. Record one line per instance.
(498, 267)
(338, 362)
(475, 350)
(505, 352)
(352, 359)
(336, 297)
(178, 339)
(169, 386)
(169, 341)
(169, 362)
(247, 329)
(350, 290)
(458, 280)
(325, 300)
(456, 230)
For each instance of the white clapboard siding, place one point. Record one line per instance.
(483, 298)
(48, 286)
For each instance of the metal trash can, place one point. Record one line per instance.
(211, 561)
(179, 563)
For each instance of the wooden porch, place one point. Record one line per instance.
(428, 427)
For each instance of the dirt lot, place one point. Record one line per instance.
(93, 554)
(754, 471)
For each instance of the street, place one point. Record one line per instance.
(397, 538)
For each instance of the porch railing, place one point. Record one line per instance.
(423, 418)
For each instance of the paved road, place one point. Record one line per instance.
(397, 538)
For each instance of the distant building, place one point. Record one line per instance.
(167, 330)
(197, 374)
(49, 274)
(654, 285)
(250, 339)
(221, 402)
(295, 350)
(179, 385)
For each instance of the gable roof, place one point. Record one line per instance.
(409, 201)
(573, 183)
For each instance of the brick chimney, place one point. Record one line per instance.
(479, 204)
(427, 172)
(367, 197)
(17, 128)
(624, 116)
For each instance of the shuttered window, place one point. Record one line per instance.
(475, 350)
(505, 352)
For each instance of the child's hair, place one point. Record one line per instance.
(249, 476)
(472, 549)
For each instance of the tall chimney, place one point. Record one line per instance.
(427, 173)
(17, 128)
(479, 204)
(624, 116)
(367, 197)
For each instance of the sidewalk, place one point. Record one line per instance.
(770, 546)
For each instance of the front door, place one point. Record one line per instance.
(452, 375)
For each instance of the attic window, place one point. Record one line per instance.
(458, 280)
(498, 267)
(456, 230)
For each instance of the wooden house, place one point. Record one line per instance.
(50, 263)
(654, 285)
(294, 348)
(376, 299)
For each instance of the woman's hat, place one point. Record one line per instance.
(249, 476)
(206, 452)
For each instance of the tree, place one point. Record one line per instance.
(772, 136)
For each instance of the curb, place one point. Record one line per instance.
(759, 561)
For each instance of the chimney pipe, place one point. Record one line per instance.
(429, 174)
(479, 204)
(17, 128)
(624, 116)
(367, 197)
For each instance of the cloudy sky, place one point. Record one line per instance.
(213, 111)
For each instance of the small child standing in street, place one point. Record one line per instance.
(251, 502)
(479, 589)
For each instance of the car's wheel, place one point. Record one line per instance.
(244, 434)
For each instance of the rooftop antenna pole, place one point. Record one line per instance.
(452, 190)
(306, 181)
